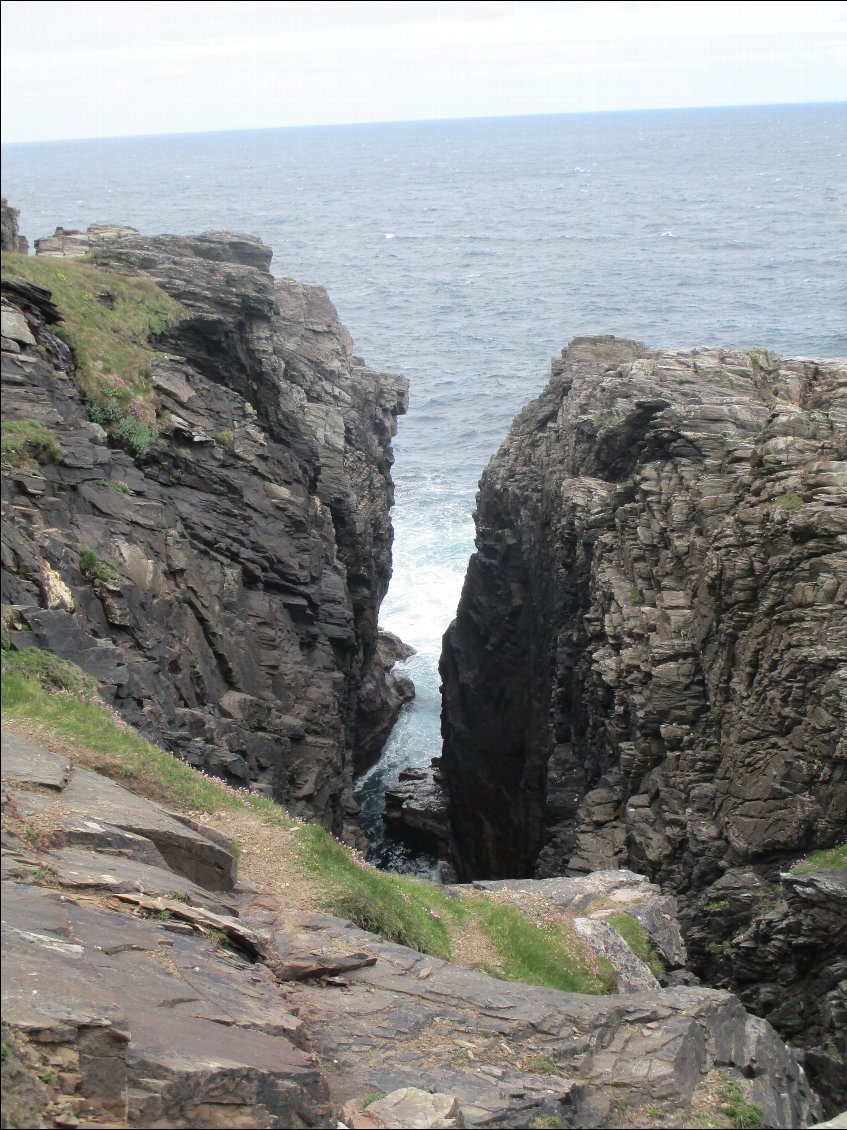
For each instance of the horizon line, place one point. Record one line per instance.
(426, 121)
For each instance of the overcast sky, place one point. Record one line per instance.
(104, 69)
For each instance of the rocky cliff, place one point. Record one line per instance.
(211, 536)
(648, 667)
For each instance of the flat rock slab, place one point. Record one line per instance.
(29, 764)
(171, 1021)
(410, 1108)
(88, 870)
(90, 796)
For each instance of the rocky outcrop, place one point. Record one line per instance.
(133, 996)
(247, 554)
(10, 237)
(648, 664)
(382, 695)
(416, 809)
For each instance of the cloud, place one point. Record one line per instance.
(98, 69)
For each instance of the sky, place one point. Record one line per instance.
(108, 69)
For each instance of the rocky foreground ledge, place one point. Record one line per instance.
(648, 667)
(209, 535)
(145, 987)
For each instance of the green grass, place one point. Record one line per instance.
(408, 911)
(105, 340)
(23, 441)
(551, 954)
(95, 567)
(790, 501)
(111, 344)
(743, 1114)
(125, 756)
(638, 940)
(823, 860)
(47, 671)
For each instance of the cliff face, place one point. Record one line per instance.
(247, 553)
(647, 668)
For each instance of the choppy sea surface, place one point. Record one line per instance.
(464, 254)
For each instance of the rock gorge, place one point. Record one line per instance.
(644, 673)
(648, 667)
(235, 572)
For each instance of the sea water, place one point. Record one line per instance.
(464, 254)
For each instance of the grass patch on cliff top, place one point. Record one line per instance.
(824, 860)
(23, 441)
(106, 338)
(108, 322)
(549, 953)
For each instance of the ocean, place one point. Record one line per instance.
(464, 254)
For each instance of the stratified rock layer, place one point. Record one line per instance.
(648, 667)
(253, 543)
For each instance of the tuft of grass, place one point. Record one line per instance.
(742, 1114)
(550, 954)
(790, 501)
(544, 1065)
(824, 860)
(720, 949)
(714, 907)
(411, 912)
(117, 485)
(95, 567)
(372, 1098)
(638, 940)
(22, 442)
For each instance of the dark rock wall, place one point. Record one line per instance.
(648, 667)
(254, 545)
